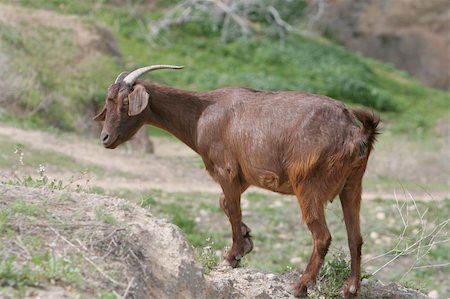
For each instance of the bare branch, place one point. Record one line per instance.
(88, 259)
(231, 17)
(417, 246)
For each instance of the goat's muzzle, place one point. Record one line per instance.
(108, 140)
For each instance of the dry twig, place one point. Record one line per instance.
(99, 270)
(417, 246)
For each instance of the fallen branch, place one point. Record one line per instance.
(99, 270)
(128, 288)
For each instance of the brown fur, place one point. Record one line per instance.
(288, 142)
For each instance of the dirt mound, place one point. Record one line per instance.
(53, 65)
(105, 242)
(69, 245)
(413, 35)
(89, 37)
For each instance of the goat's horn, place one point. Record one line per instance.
(129, 79)
(120, 77)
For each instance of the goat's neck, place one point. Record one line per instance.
(176, 111)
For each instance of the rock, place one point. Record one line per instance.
(433, 294)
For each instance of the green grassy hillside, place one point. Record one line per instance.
(296, 63)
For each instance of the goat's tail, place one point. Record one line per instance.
(369, 130)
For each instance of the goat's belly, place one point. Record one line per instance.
(268, 179)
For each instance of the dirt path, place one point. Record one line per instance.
(174, 167)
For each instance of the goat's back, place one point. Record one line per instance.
(276, 135)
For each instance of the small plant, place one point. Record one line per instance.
(24, 208)
(333, 275)
(106, 218)
(208, 257)
(28, 181)
(37, 271)
(5, 217)
(45, 181)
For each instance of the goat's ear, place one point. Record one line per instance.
(101, 115)
(138, 100)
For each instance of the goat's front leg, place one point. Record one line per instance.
(231, 203)
(245, 230)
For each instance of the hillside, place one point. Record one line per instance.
(59, 244)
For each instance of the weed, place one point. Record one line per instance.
(5, 218)
(415, 285)
(37, 271)
(96, 190)
(65, 197)
(42, 181)
(208, 258)
(333, 275)
(105, 217)
(107, 295)
(148, 201)
(21, 207)
(126, 207)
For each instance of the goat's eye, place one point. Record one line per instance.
(125, 101)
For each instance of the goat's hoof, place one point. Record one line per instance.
(224, 266)
(248, 245)
(351, 288)
(233, 263)
(299, 291)
(245, 230)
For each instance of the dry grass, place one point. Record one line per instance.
(50, 240)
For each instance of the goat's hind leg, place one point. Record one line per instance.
(351, 202)
(313, 213)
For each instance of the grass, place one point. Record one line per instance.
(105, 217)
(40, 270)
(184, 216)
(25, 259)
(333, 275)
(21, 207)
(20, 160)
(10, 157)
(49, 243)
(43, 53)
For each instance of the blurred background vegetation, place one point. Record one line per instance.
(56, 67)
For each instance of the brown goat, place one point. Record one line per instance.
(287, 142)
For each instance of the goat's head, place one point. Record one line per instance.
(123, 112)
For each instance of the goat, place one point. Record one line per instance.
(294, 143)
